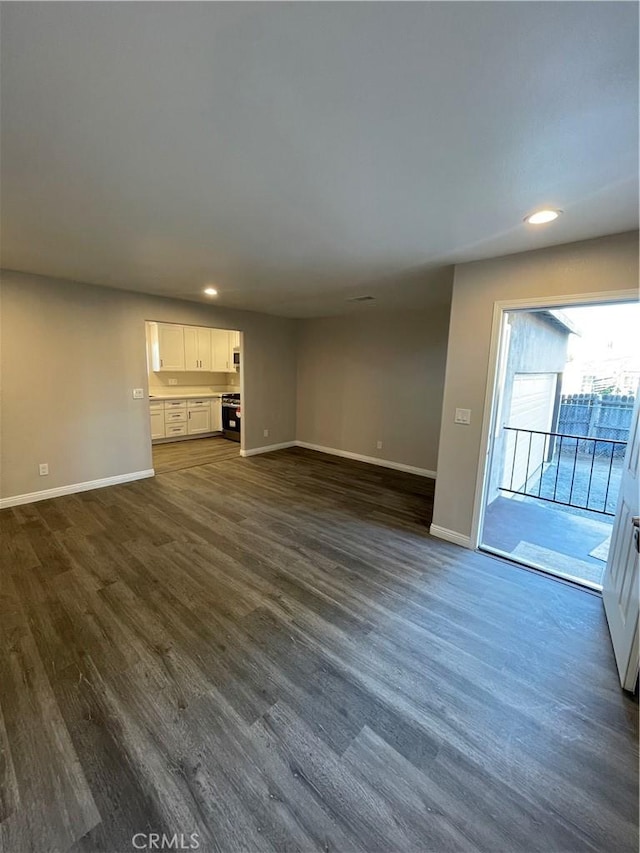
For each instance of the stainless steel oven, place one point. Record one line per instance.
(231, 416)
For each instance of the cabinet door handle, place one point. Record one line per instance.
(161, 362)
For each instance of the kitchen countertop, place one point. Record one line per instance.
(209, 394)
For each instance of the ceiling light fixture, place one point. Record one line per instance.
(541, 217)
(211, 291)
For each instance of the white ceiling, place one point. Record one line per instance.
(295, 154)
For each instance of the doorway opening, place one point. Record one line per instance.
(562, 410)
(195, 394)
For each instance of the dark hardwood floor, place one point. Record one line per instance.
(273, 653)
(177, 455)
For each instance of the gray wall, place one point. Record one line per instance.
(374, 377)
(592, 266)
(70, 355)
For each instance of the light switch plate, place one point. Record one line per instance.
(138, 393)
(463, 416)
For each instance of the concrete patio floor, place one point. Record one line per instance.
(549, 536)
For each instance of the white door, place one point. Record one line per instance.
(220, 350)
(197, 348)
(620, 583)
(204, 348)
(191, 353)
(170, 347)
(199, 420)
(157, 423)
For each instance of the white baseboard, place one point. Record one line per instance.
(371, 460)
(73, 488)
(254, 451)
(451, 536)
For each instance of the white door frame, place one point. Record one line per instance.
(499, 308)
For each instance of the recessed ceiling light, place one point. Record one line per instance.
(211, 291)
(540, 217)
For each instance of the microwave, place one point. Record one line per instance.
(236, 358)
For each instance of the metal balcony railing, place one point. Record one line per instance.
(572, 470)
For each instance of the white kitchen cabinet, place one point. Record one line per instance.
(199, 419)
(216, 414)
(176, 348)
(184, 417)
(221, 351)
(167, 347)
(175, 430)
(157, 423)
(197, 348)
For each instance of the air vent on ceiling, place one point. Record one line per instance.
(361, 299)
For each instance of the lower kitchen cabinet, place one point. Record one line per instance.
(175, 430)
(216, 414)
(157, 423)
(199, 420)
(182, 418)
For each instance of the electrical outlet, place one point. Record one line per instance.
(44, 469)
(138, 393)
(463, 416)
(379, 445)
(265, 433)
(173, 382)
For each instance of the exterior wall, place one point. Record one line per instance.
(588, 267)
(72, 353)
(536, 345)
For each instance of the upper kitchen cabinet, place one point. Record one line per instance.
(175, 348)
(167, 347)
(221, 350)
(197, 348)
